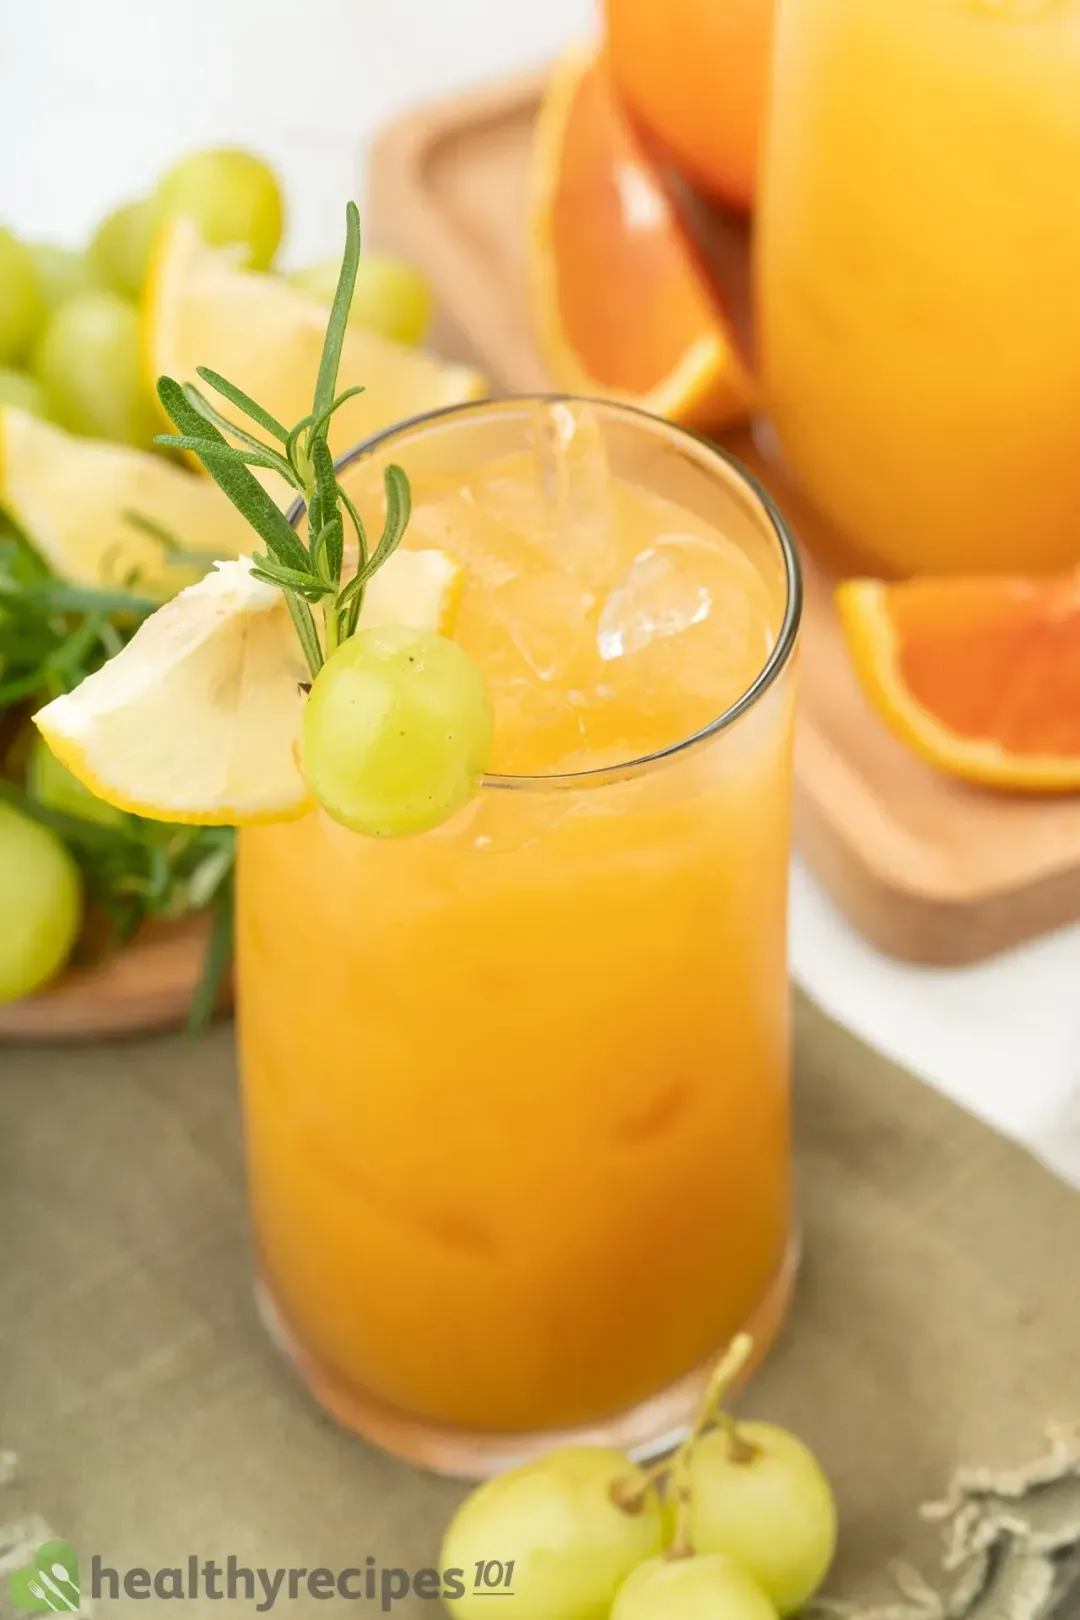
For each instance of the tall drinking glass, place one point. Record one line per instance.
(919, 260)
(516, 1090)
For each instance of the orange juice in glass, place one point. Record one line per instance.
(516, 1090)
(919, 267)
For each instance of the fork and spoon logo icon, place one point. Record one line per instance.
(50, 1583)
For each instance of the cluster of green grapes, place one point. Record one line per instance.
(70, 346)
(739, 1524)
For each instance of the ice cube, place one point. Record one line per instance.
(573, 489)
(688, 615)
(663, 592)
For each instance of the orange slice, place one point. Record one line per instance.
(980, 676)
(620, 306)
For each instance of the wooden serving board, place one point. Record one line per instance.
(926, 868)
(147, 985)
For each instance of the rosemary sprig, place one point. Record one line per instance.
(309, 574)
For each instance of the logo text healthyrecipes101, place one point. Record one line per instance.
(370, 1582)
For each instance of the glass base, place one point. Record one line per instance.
(648, 1431)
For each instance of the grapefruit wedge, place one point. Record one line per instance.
(620, 307)
(980, 676)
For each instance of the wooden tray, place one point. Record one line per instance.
(148, 985)
(925, 868)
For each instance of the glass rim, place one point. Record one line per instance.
(603, 775)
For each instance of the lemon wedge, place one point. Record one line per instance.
(203, 309)
(70, 497)
(197, 720)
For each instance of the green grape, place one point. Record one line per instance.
(90, 364)
(22, 306)
(40, 904)
(62, 272)
(390, 298)
(397, 731)
(764, 1499)
(16, 388)
(53, 785)
(713, 1587)
(571, 1546)
(119, 251)
(231, 195)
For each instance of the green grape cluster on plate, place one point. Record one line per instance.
(739, 1524)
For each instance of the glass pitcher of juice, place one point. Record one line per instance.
(516, 1090)
(918, 276)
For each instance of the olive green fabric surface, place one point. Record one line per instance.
(937, 1322)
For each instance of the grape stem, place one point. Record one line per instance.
(709, 1416)
(630, 1493)
(739, 1449)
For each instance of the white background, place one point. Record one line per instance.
(97, 96)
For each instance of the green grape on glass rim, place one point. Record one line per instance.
(119, 250)
(40, 904)
(710, 1587)
(90, 364)
(390, 297)
(232, 195)
(760, 1495)
(53, 786)
(555, 1519)
(22, 304)
(62, 272)
(20, 389)
(397, 731)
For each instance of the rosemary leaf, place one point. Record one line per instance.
(315, 514)
(296, 454)
(56, 596)
(334, 532)
(322, 552)
(326, 493)
(336, 325)
(201, 404)
(236, 396)
(398, 508)
(320, 424)
(357, 523)
(237, 482)
(293, 578)
(351, 610)
(305, 629)
(208, 450)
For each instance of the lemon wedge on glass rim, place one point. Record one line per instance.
(197, 720)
